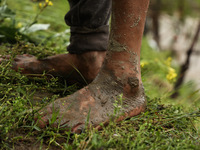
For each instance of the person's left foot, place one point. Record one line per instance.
(81, 68)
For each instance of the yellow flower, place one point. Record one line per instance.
(143, 63)
(168, 61)
(19, 25)
(171, 74)
(40, 5)
(50, 3)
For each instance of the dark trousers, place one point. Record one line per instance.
(88, 21)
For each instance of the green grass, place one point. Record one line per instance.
(166, 124)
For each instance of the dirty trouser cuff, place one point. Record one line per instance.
(84, 39)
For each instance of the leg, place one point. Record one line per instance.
(120, 74)
(88, 21)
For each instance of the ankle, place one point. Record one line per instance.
(90, 63)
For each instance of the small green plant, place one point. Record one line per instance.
(118, 106)
(42, 7)
(7, 22)
(6, 12)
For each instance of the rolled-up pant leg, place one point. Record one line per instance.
(88, 21)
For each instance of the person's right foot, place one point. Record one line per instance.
(73, 67)
(99, 100)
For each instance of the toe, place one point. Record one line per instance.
(28, 55)
(78, 128)
(4, 58)
(42, 117)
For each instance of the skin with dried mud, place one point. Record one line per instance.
(71, 67)
(97, 102)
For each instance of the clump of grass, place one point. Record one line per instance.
(162, 126)
(19, 93)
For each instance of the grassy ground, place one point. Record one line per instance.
(166, 124)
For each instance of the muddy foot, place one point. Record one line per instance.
(75, 68)
(98, 100)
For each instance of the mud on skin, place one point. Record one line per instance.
(74, 68)
(98, 99)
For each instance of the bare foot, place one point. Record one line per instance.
(99, 98)
(76, 68)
